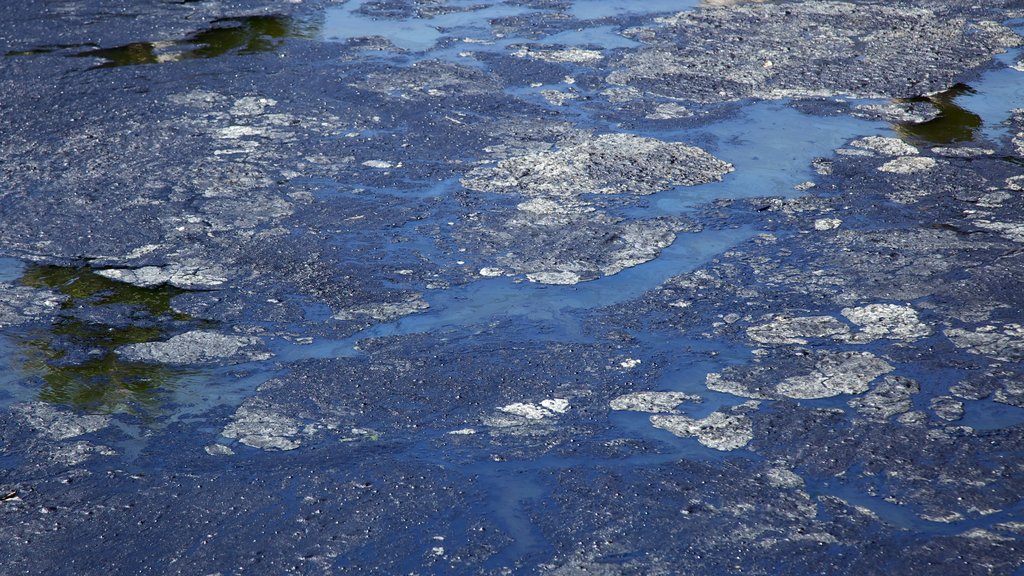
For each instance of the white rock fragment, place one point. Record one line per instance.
(823, 224)
(22, 304)
(558, 278)
(490, 272)
(890, 397)
(962, 152)
(219, 450)
(1013, 231)
(180, 275)
(607, 164)
(258, 425)
(557, 97)
(463, 432)
(908, 165)
(251, 106)
(885, 146)
(886, 321)
(574, 55)
(784, 478)
(653, 402)
(835, 374)
(718, 430)
(1004, 343)
(197, 347)
(527, 419)
(236, 132)
(75, 453)
(384, 311)
(947, 408)
(381, 164)
(1015, 183)
(556, 405)
(629, 363)
(526, 410)
(787, 330)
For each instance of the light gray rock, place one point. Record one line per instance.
(1004, 342)
(608, 164)
(887, 321)
(947, 408)
(890, 397)
(258, 425)
(197, 347)
(885, 146)
(58, 423)
(384, 311)
(803, 49)
(189, 277)
(837, 373)
(908, 165)
(718, 430)
(654, 402)
(788, 330)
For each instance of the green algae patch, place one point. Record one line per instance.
(84, 287)
(249, 35)
(954, 123)
(76, 356)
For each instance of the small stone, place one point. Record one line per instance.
(908, 165)
(219, 450)
(556, 405)
(887, 321)
(823, 224)
(885, 146)
(653, 402)
(718, 430)
(197, 347)
(947, 408)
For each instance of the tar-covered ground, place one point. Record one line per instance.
(526, 287)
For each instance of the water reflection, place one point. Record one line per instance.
(954, 123)
(76, 356)
(247, 35)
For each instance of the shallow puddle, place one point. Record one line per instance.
(954, 124)
(226, 36)
(416, 34)
(76, 356)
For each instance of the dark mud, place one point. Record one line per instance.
(532, 287)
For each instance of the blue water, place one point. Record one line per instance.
(495, 298)
(416, 34)
(11, 269)
(997, 93)
(763, 168)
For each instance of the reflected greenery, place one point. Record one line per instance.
(954, 124)
(77, 358)
(83, 286)
(247, 35)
